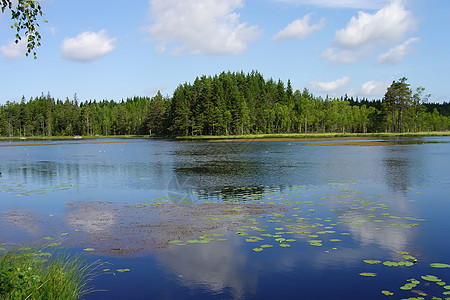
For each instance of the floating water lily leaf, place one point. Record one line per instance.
(316, 243)
(367, 274)
(174, 242)
(258, 249)
(284, 245)
(48, 238)
(266, 246)
(409, 257)
(447, 287)
(123, 270)
(280, 240)
(390, 264)
(53, 245)
(372, 262)
(88, 249)
(431, 278)
(290, 240)
(408, 286)
(345, 233)
(387, 293)
(439, 265)
(446, 293)
(335, 240)
(64, 233)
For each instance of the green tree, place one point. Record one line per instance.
(25, 14)
(397, 100)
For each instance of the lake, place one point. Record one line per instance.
(285, 219)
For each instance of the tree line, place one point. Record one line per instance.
(227, 104)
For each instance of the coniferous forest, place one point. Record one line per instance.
(227, 104)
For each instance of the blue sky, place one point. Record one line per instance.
(111, 50)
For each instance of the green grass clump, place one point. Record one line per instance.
(33, 274)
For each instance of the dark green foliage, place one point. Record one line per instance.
(225, 104)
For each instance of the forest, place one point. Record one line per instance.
(230, 103)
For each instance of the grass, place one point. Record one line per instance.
(317, 135)
(33, 274)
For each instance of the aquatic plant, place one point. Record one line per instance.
(33, 274)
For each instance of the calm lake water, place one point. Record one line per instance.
(237, 220)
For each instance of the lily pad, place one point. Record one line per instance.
(258, 249)
(367, 274)
(439, 265)
(47, 238)
(285, 245)
(123, 270)
(431, 278)
(266, 246)
(409, 257)
(53, 245)
(88, 249)
(372, 262)
(390, 264)
(387, 293)
(175, 242)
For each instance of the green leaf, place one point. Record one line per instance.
(439, 265)
(390, 264)
(123, 270)
(372, 262)
(431, 278)
(367, 274)
(88, 249)
(174, 242)
(387, 293)
(258, 249)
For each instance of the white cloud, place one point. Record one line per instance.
(200, 26)
(372, 89)
(388, 25)
(87, 46)
(357, 4)
(13, 50)
(344, 56)
(396, 54)
(330, 86)
(299, 29)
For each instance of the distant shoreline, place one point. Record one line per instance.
(248, 137)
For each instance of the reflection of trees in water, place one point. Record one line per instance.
(402, 165)
(213, 166)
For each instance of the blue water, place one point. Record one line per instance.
(385, 199)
